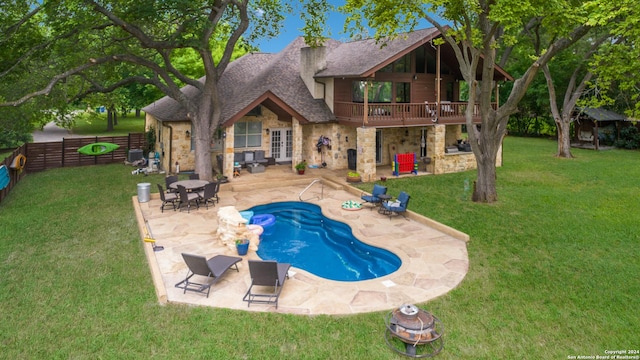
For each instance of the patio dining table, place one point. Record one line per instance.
(190, 185)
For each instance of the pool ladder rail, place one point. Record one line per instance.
(309, 186)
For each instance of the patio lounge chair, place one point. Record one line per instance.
(266, 274)
(398, 207)
(167, 198)
(186, 198)
(213, 268)
(373, 199)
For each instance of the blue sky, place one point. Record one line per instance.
(293, 24)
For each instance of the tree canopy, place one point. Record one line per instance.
(77, 47)
(477, 31)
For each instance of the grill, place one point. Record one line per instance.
(414, 332)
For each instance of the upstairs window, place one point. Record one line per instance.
(402, 65)
(378, 91)
(403, 92)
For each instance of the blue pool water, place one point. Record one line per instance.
(306, 239)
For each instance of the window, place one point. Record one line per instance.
(450, 91)
(256, 111)
(247, 134)
(403, 92)
(402, 65)
(378, 92)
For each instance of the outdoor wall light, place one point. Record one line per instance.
(188, 133)
(267, 131)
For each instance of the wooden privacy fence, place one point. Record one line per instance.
(51, 155)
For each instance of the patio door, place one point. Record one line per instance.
(378, 146)
(282, 144)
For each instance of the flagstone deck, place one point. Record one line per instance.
(434, 256)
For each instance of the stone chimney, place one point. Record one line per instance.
(313, 60)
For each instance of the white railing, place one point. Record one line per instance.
(309, 186)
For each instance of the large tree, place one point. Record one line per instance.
(87, 40)
(478, 29)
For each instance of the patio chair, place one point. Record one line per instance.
(194, 176)
(186, 198)
(208, 194)
(373, 199)
(167, 198)
(213, 268)
(170, 180)
(270, 274)
(259, 158)
(398, 207)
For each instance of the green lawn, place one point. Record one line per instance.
(554, 269)
(91, 124)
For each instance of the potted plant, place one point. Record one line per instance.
(353, 176)
(222, 179)
(301, 166)
(242, 245)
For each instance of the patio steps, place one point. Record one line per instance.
(303, 181)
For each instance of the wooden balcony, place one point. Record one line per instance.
(405, 114)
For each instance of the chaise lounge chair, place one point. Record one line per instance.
(213, 268)
(398, 207)
(373, 199)
(266, 274)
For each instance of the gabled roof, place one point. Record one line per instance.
(364, 57)
(600, 114)
(257, 78)
(273, 80)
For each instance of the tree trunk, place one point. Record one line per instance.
(109, 120)
(205, 120)
(484, 189)
(564, 137)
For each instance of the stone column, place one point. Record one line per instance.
(366, 150)
(296, 155)
(228, 152)
(435, 148)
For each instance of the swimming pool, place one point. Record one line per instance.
(306, 239)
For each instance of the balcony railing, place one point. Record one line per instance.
(385, 114)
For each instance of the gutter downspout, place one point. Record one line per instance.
(170, 144)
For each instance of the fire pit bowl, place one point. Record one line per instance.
(414, 332)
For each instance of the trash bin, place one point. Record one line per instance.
(352, 158)
(144, 192)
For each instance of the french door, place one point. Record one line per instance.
(282, 144)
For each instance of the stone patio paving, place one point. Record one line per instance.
(434, 256)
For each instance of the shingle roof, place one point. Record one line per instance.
(360, 58)
(258, 77)
(250, 78)
(600, 114)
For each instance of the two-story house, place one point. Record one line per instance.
(343, 105)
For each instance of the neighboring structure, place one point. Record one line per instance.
(344, 105)
(597, 127)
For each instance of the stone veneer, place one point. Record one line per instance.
(342, 138)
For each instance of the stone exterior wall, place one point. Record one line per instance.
(173, 144)
(366, 161)
(335, 156)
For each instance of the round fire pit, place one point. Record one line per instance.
(414, 332)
